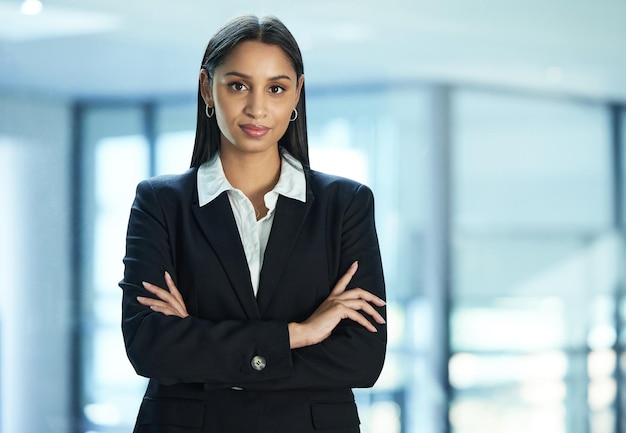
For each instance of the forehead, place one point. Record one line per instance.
(257, 58)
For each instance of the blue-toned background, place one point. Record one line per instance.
(493, 136)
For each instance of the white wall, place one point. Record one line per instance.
(35, 235)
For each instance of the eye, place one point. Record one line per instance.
(276, 89)
(238, 86)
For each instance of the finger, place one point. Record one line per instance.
(365, 308)
(154, 289)
(173, 289)
(151, 302)
(165, 311)
(161, 307)
(360, 319)
(161, 293)
(167, 297)
(170, 282)
(176, 293)
(341, 285)
(359, 293)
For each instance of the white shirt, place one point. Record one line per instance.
(254, 234)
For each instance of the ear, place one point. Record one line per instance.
(205, 88)
(299, 88)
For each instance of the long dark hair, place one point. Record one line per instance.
(269, 30)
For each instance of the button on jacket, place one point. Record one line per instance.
(228, 367)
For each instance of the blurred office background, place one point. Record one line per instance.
(492, 133)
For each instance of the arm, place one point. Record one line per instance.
(340, 305)
(171, 349)
(352, 355)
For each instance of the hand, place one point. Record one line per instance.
(169, 303)
(340, 304)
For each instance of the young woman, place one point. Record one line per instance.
(253, 286)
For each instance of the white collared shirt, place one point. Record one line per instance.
(254, 234)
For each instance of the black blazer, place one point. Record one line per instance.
(228, 367)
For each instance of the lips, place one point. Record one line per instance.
(254, 131)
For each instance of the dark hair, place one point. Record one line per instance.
(269, 30)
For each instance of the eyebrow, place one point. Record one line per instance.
(248, 77)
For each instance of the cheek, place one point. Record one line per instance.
(283, 113)
(225, 112)
(223, 121)
(225, 101)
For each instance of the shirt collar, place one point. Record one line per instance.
(211, 180)
(291, 182)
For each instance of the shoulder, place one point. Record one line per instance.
(170, 185)
(321, 181)
(323, 185)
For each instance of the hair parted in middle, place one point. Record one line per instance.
(268, 30)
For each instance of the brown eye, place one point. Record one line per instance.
(239, 87)
(276, 89)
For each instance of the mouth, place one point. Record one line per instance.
(254, 131)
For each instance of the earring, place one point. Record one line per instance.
(208, 113)
(294, 115)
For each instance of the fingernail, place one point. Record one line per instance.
(167, 275)
(356, 263)
(143, 283)
(140, 298)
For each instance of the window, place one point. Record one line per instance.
(535, 266)
(116, 158)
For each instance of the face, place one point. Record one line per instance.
(254, 93)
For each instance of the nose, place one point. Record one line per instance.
(256, 107)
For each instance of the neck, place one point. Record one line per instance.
(254, 174)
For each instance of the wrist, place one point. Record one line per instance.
(296, 337)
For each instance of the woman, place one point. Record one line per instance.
(253, 286)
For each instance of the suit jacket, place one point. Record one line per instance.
(228, 367)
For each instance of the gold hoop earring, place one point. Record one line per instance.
(208, 113)
(294, 115)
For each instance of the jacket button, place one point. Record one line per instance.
(258, 363)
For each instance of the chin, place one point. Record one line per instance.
(254, 146)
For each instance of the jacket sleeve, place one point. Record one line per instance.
(170, 349)
(352, 357)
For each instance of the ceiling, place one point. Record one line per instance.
(138, 48)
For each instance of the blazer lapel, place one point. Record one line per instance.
(218, 225)
(288, 221)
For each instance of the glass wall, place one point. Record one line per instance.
(535, 266)
(116, 158)
(176, 130)
(620, 222)
(524, 321)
